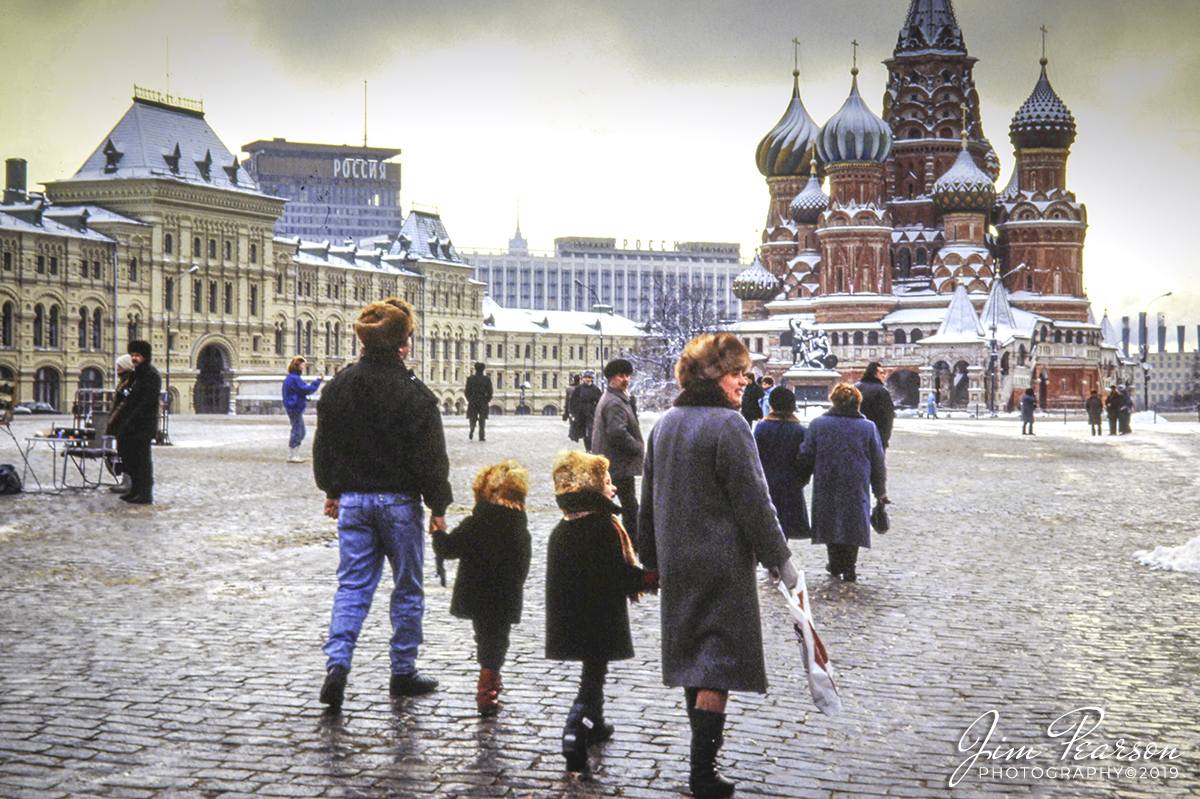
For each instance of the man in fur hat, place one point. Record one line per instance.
(379, 451)
(617, 436)
(134, 422)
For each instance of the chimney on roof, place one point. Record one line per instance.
(15, 185)
(1125, 336)
(1180, 332)
(1162, 332)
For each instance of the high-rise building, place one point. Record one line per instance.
(335, 192)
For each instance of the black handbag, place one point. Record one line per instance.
(879, 518)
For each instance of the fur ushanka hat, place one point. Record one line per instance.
(711, 356)
(385, 325)
(504, 484)
(576, 470)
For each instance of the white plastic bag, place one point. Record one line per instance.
(816, 660)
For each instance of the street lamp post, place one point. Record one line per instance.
(1145, 325)
(994, 345)
(599, 324)
(175, 300)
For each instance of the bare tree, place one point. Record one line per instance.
(679, 311)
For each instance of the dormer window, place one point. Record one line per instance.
(232, 171)
(173, 160)
(112, 157)
(205, 166)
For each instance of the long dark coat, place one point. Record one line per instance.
(493, 550)
(1095, 409)
(1028, 405)
(843, 454)
(877, 406)
(588, 584)
(706, 520)
(479, 393)
(779, 441)
(617, 435)
(135, 418)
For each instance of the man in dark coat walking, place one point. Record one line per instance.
(1095, 411)
(752, 401)
(134, 422)
(1112, 407)
(617, 436)
(479, 394)
(877, 402)
(379, 451)
(583, 407)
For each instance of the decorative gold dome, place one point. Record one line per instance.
(755, 283)
(787, 149)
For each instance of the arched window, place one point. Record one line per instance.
(905, 263)
(1058, 337)
(212, 248)
(337, 339)
(196, 247)
(1021, 355)
(228, 250)
(915, 335)
(91, 377)
(52, 329)
(133, 327)
(85, 319)
(45, 386)
(328, 339)
(308, 338)
(133, 270)
(39, 325)
(97, 330)
(900, 337)
(6, 325)
(858, 338)
(168, 244)
(873, 337)
(253, 253)
(279, 338)
(920, 256)
(1045, 333)
(1004, 364)
(839, 280)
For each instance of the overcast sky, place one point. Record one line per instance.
(636, 119)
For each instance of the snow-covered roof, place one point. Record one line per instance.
(18, 218)
(576, 323)
(914, 316)
(312, 253)
(155, 140)
(960, 324)
(423, 237)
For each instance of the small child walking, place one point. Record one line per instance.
(493, 548)
(592, 572)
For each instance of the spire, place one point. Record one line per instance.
(997, 316)
(960, 321)
(930, 26)
(787, 149)
(517, 245)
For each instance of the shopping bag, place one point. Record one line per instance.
(816, 659)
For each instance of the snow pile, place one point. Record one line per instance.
(1147, 417)
(1184, 558)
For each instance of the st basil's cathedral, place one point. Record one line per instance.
(887, 240)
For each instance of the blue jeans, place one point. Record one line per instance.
(371, 527)
(298, 431)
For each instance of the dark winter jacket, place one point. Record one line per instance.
(1113, 403)
(479, 394)
(1028, 406)
(752, 402)
(296, 391)
(1095, 409)
(584, 401)
(844, 456)
(706, 521)
(136, 405)
(617, 436)
(493, 550)
(779, 438)
(588, 583)
(877, 406)
(379, 431)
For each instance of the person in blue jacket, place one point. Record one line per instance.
(295, 400)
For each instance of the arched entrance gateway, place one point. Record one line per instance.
(211, 394)
(905, 387)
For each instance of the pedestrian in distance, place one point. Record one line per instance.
(493, 549)
(134, 423)
(617, 436)
(706, 523)
(295, 401)
(931, 406)
(1029, 404)
(1095, 412)
(1112, 407)
(843, 455)
(877, 404)
(1126, 412)
(479, 394)
(572, 384)
(779, 436)
(592, 573)
(751, 402)
(583, 409)
(768, 385)
(124, 376)
(378, 453)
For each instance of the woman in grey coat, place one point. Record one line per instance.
(843, 454)
(706, 522)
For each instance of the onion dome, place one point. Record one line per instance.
(811, 202)
(964, 186)
(755, 283)
(1043, 121)
(854, 133)
(787, 149)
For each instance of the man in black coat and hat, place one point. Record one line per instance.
(479, 394)
(877, 402)
(134, 422)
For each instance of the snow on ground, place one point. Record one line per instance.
(1184, 558)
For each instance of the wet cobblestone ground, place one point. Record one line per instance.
(174, 650)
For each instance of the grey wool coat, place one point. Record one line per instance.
(706, 519)
(843, 454)
(617, 436)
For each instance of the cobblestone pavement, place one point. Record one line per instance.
(174, 650)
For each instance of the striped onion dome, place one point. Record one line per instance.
(1043, 121)
(811, 202)
(854, 133)
(964, 186)
(787, 149)
(755, 283)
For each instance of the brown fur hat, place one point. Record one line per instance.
(576, 470)
(711, 356)
(385, 325)
(504, 484)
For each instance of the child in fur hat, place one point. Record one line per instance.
(493, 548)
(591, 571)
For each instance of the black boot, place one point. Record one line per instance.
(708, 734)
(575, 739)
(598, 730)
